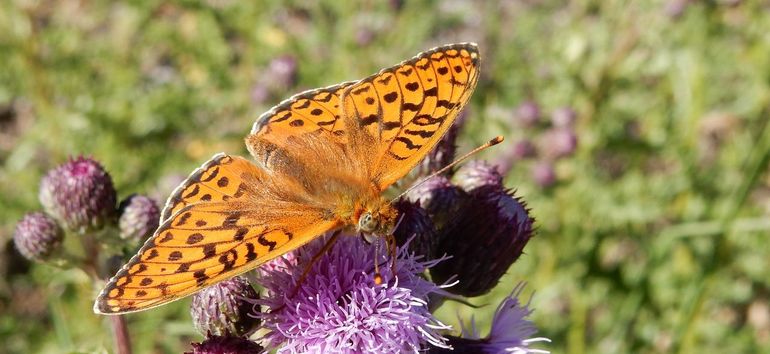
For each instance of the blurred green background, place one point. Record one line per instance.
(653, 238)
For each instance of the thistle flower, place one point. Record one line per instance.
(511, 331)
(282, 72)
(478, 173)
(439, 197)
(559, 142)
(415, 229)
(563, 117)
(37, 236)
(226, 345)
(486, 236)
(224, 309)
(139, 217)
(544, 174)
(79, 194)
(528, 114)
(338, 308)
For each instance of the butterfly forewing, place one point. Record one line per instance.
(206, 240)
(399, 114)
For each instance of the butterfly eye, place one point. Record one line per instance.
(366, 223)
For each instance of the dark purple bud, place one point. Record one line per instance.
(563, 117)
(528, 114)
(476, 174)
(439, 197)
(226, 345)
(523, 149)
(558, 142)
(37, 236)
(544, 174)
(484, 238)
(80, 195)
(415, 226)
(139, 217)
(223, 309)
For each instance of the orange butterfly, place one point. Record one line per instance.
(323, 159)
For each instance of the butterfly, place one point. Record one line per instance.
(322, 160)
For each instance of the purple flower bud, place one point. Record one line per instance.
(139, 217)
(528, 114)
(544, 174)
(416, 227)
(478, 173)
(563, 117)
(523, 149)
(79, 194)
(224, 309)
(37, 236)
(484, 238)
(226, 345)
(439, 197)
(559, 142)
(282, 72)
(259, 93)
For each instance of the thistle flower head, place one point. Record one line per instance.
(226, 345)
(486, 236)
(478, 173)
(559, 142)
(79, 194)
(544, 174)
(338, 308)
(224, 309)
(139, 217)
(511, 331)
(528, 113)
(439, 197)
(415, 229)
(37, 236)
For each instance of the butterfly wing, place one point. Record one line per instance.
(227, 218)
(397, 116)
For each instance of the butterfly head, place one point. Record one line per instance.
(378, 218)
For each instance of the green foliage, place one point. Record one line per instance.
(654, 238)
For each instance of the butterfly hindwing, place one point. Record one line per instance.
(397, 116)
(211, 239)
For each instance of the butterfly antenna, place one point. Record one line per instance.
(494, 141)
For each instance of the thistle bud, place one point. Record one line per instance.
(544, 174)
(563, 117)
(558, 143)
(223, 309)
(139, 217)
(282, 72)
(79, 194)
(226, 345)
(439, 197)
(527, 114)
(37, 236)
(478, 173)
(415, 226)
(484, 238)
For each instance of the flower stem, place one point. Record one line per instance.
(120, 333)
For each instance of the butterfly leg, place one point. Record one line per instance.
(393, 251)
(327, 246)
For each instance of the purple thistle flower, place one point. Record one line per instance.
(37, 236)
(139, 217)
(79, 194)
(528, 114)
(484, 238)
(544, 174)
(226, 345)
(225, 308)
(478, 173)
(558, 142)
(563, 117)
(439, 197)
(415, 229)
(511, 331)
(338, 308)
